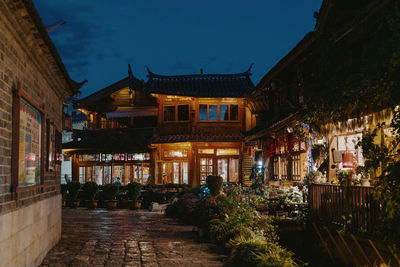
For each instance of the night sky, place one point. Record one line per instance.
(173, 36)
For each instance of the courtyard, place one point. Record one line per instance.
(128, 238)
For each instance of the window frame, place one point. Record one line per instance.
(218, 112)
(175, 105)
(18, 95)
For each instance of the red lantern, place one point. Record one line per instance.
(249, 151)
(347, 159)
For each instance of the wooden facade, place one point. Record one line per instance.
(190, 126)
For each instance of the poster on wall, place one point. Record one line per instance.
(30, 132)
(50, 146)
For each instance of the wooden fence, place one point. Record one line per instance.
(352, 206)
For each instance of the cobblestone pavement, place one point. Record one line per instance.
(128, 238)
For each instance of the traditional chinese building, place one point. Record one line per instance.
(280, 139)
(170, 129)
(33, 86)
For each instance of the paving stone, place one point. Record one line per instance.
(129, 238)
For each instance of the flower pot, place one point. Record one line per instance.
(123, 203)
(110, 204)
(131, 204)
(202, 232)
(365, 182)
(91, 204)
(74, 203)
(138, 204)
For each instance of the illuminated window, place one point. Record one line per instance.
(138, 156)
(175, 153)
(227, 151)
(206, 150)
(175, 172)
(206, 169)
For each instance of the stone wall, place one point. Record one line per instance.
(30, 221)
(28, 233)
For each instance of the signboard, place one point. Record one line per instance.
(30, 132)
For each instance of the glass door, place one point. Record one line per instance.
(99, 175)
(206, 169)
(107, 174)
(233, 170)
(175, 172)
(118, 173)
(223, 169)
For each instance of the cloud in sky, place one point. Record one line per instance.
(174, 37)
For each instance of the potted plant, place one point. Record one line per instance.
(345, 177)
(90, 190)
(214, 183)
(364, 173)
(109, 193)
(134, 191)
(64, 191)
(73, 190)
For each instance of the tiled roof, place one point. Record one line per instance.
(201, 85)
(112, 140)
(179, 138)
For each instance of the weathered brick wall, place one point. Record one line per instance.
(23, 59)
(30, 222)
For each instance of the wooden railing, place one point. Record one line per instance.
(353, 206)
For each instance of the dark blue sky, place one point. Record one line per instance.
(174, 36)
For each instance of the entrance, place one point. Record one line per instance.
(228, 169)
(175, 172)
(206, 169)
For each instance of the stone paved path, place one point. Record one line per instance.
(128, 238)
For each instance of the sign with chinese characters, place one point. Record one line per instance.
(30, 132)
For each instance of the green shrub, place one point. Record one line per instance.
(64, 191)
(222, 232)
(110, 191)
(73, 190)
(134, 190)
(257, 252)
(90, 190)
(214, 183)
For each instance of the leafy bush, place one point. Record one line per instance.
(232, 222)
(73, 190)
(64, 190)
(222, 231)
(90, 190)
(110, 191)
(258, 252)
(134, 190)
(214, 183)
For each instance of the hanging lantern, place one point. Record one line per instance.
(347, 159)
(250, 151)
